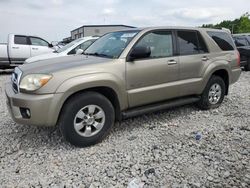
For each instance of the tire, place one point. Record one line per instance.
(247, 66)
(214, 85)
(91, 111)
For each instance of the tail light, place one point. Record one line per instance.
(238, 58)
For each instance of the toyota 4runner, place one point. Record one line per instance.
(124, 74)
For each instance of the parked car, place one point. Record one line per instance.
(124, 74)
(75, 47)
(21, 47)
(242, 42)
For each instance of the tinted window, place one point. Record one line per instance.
(20, 40)
(38, 42)
(202, 44)
(222, 39)
(188, 42)
(160, 43)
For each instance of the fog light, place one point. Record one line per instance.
(25, 112)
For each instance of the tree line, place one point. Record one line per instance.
(239, 25)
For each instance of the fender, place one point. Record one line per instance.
(84, 82)
(212, 68)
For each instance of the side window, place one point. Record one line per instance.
(160, 43)
(222, 39)
(21, 40)
(188, 42)
(38, 42)
(86, 44)
(202, 44)
(82, 46)
(73, 51)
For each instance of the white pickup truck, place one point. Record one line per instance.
(21, 47)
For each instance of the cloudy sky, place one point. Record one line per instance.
(54, 19)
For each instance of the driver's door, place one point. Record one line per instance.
(151, 80)
(39, 46)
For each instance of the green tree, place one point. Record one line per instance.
(244, 24)
(241, 25)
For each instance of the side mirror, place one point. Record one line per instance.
(139, 52)
(79, 51)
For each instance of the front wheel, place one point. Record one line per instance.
(213, 94)
(86, 119)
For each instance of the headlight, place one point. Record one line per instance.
(33, 82)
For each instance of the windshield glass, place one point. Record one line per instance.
(111, 45)
(68, 45)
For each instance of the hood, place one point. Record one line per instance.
(42, 57)
(65, 63)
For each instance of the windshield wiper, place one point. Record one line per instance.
(98, 55)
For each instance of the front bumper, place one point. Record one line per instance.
(43, 111)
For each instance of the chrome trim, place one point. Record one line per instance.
(15, 79)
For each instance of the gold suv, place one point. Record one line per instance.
(124, 74)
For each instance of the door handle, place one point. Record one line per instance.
(15, 47)
(205, 58)
(172, 62)
(34, 48)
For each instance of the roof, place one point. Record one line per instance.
(174, 27)
(104, 26)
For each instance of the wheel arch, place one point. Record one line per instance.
(218, 68)
(108, 92)
(224, 75)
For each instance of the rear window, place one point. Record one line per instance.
(222, 39)
(21, 40)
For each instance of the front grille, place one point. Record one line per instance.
(15, 79)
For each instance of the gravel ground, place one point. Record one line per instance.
(157, 150)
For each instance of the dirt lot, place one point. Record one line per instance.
(159, 149)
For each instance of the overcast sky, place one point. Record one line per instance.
(54, 19)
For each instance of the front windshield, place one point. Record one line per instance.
(111, 45)
(68, 45)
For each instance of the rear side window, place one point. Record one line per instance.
(21, 40)
(188, 42)
(222, 39)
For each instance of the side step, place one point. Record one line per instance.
(159, 106)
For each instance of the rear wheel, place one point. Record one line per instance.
(213, 94)
(86, 119)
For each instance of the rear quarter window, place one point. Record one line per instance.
(222, 39)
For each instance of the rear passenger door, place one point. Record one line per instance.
(19, 50)
(151, 80)
(193, 58)
(39, 46)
